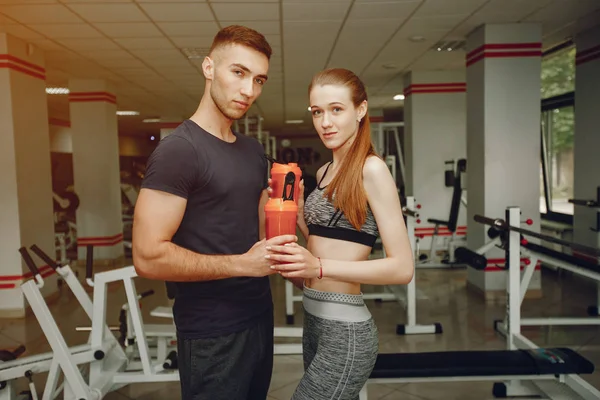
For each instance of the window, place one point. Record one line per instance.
(557, 131)
(558, 72)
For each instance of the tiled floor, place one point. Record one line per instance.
(466, 320)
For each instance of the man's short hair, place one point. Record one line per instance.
(237, 34)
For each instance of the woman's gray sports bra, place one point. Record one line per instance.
(324, 220)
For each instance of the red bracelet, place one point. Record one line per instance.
(320, 268)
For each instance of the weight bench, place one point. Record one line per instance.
(494, 365)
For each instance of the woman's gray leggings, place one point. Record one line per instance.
(340, 344)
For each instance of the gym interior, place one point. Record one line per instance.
(486, 112)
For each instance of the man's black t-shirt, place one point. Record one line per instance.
(222, 183)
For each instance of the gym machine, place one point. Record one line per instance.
(100, 366)
(408, 297)
(591, 205)
(522, 369)
(454, 179)
(536, 254)
(65, 205)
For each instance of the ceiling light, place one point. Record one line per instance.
(416, 38)
(399, 97)
(294, 121)
(151, 120)
(449, 45)
(128, 113)
(57, 90)
(309, 109)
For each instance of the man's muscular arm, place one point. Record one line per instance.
(156, 219)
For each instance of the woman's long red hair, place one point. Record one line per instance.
(350, 195)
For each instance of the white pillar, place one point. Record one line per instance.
(26, 212)
(587, 136)
(435, 132)
(96, 169)
(503, 138)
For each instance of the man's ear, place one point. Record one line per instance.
(208, 68)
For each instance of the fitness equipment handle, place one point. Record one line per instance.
(40, 253)
(409, 212)
(146, 294)
(585, 203)
(32, 267)
(8, 355)
(502, 225)
(29, 261)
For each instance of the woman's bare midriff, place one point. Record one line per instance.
(339, 250)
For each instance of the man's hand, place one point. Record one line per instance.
(255, 263)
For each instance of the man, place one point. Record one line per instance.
(199, 222)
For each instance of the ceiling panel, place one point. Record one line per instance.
(563, 12)
(21, 31)
(193, 41)
(107, 54)
(246, 12)
(383, 9)
(89, 44)
(47, 45)
(439, 60)
(244, 1)
(109, 12)
(450, 7)
(149, 44)
(40, 14)
(359, 37)
(129, 29)
(178, 12)
(60, 31)
(306, 12)
(200, 28)
(496, 11)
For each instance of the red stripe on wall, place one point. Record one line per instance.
(100, 241)
(587, 52)
(504, 46)
(450, 87)
(14, 285)
(10, 57)
(7, 286)
(491, 50)
(59, 122)
(25, 71)
(82, 97)
(43, 269)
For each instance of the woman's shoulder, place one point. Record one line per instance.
(373, 167)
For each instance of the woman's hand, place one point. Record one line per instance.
(294, 261)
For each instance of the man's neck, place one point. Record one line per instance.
(212, 120)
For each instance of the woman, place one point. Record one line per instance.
(355, 201)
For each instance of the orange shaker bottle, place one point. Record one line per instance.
(278, 175)
(281, 212)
